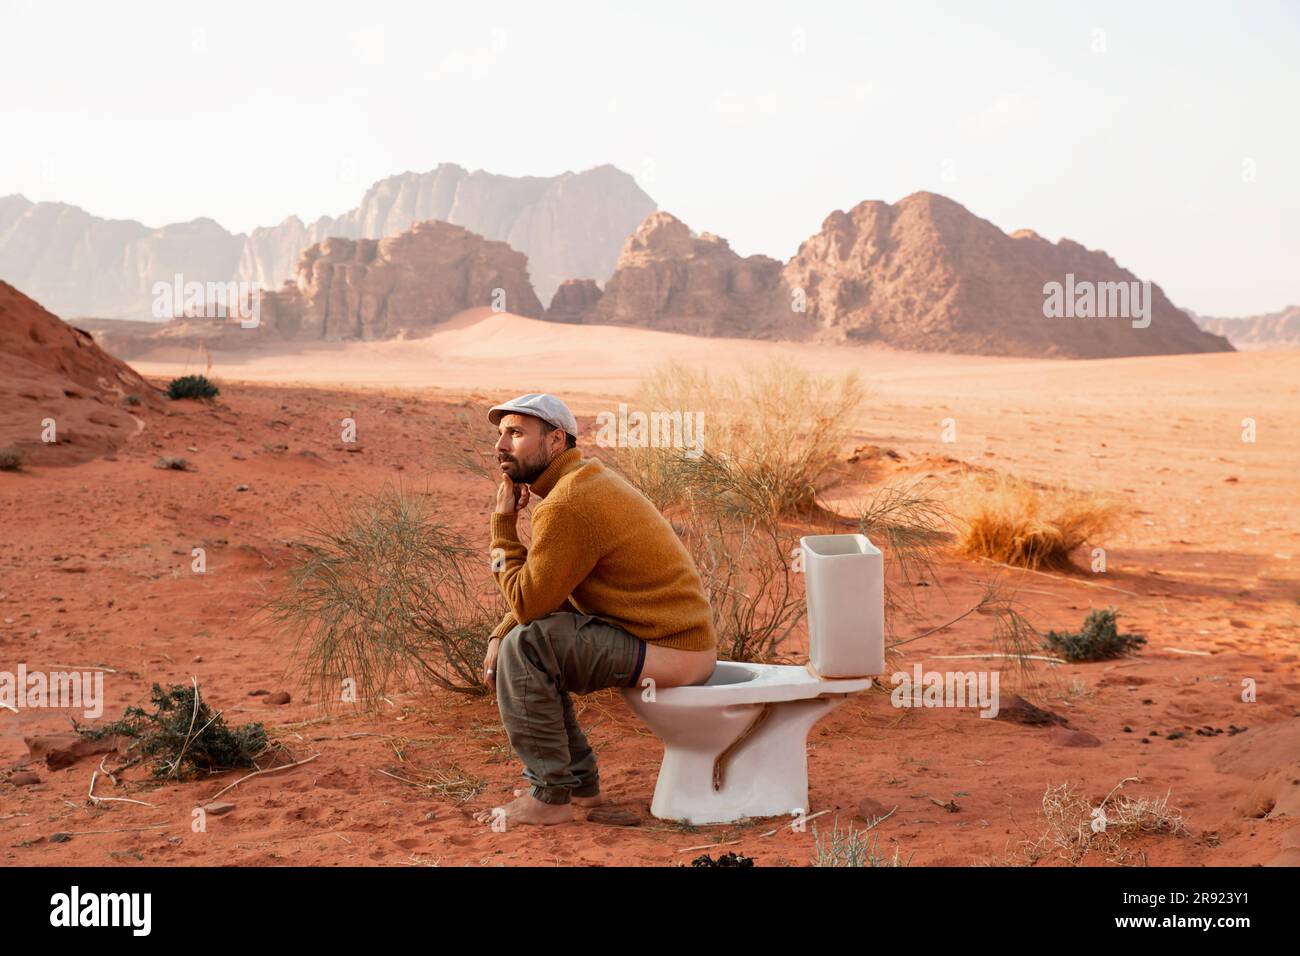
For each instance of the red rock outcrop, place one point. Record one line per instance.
(403, 285)
(573, 299)
(55, 381)
(927, 275)
(670, 280)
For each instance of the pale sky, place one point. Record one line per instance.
(1166, 133)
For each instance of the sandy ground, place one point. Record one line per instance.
(95, 570)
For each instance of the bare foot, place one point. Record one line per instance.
(595, 801)
(528, 809)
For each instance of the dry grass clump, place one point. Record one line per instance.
(852, 847)
(744, 555)
(1074, 828)
(781, 427)
(1010, 521)
(386, 592)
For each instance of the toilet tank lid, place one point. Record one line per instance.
(835, 545)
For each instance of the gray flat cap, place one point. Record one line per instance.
(541, 405)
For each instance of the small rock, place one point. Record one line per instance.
(64, 750)
(60, 837)
(1072, 738)
(198, 659)
(168, 463)
(279, 697)
(870, 810)
(1020, 711)
(258, 693)
(217, 809)
(192, 448)
(24, 778)
(614, 815)
(241, 487)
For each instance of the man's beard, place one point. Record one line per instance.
(526, 472)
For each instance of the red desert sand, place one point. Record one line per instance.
(95, 570)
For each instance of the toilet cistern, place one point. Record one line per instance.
(844, 578)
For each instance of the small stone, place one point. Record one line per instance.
(258, 693)
(198, 659)
(241, 487)
(24, 778)
(1072, 738)
(217, 809)
(870, 810)
(617, 816)
(279, 697)
(60, 837)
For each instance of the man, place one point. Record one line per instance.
(606, 596)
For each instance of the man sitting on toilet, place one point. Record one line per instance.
(606, 596)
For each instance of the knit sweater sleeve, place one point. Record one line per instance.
(538, 580)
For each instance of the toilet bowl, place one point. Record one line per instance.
(736, 746)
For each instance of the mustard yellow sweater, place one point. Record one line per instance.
(600, 547)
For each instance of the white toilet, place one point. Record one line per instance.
(736, 746)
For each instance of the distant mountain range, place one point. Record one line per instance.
(77, 264)
(1275, 330)
(922, 274)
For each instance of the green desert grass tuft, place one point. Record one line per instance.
(1010, 521)
(1098, 640)
(191, 386)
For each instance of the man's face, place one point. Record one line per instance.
(523, 451)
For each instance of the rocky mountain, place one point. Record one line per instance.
(668, 279)
(570, 226)
(399, 286)
(925, 274)
(1274, 330)
(56, 383)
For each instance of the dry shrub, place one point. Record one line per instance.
(387, 593)
(852, 847)
(1072, 831)
(770, 434)
(1010, 521)
(911, 526)
(780, 426)
(743, 552)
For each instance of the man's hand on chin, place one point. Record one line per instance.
(511, 497)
